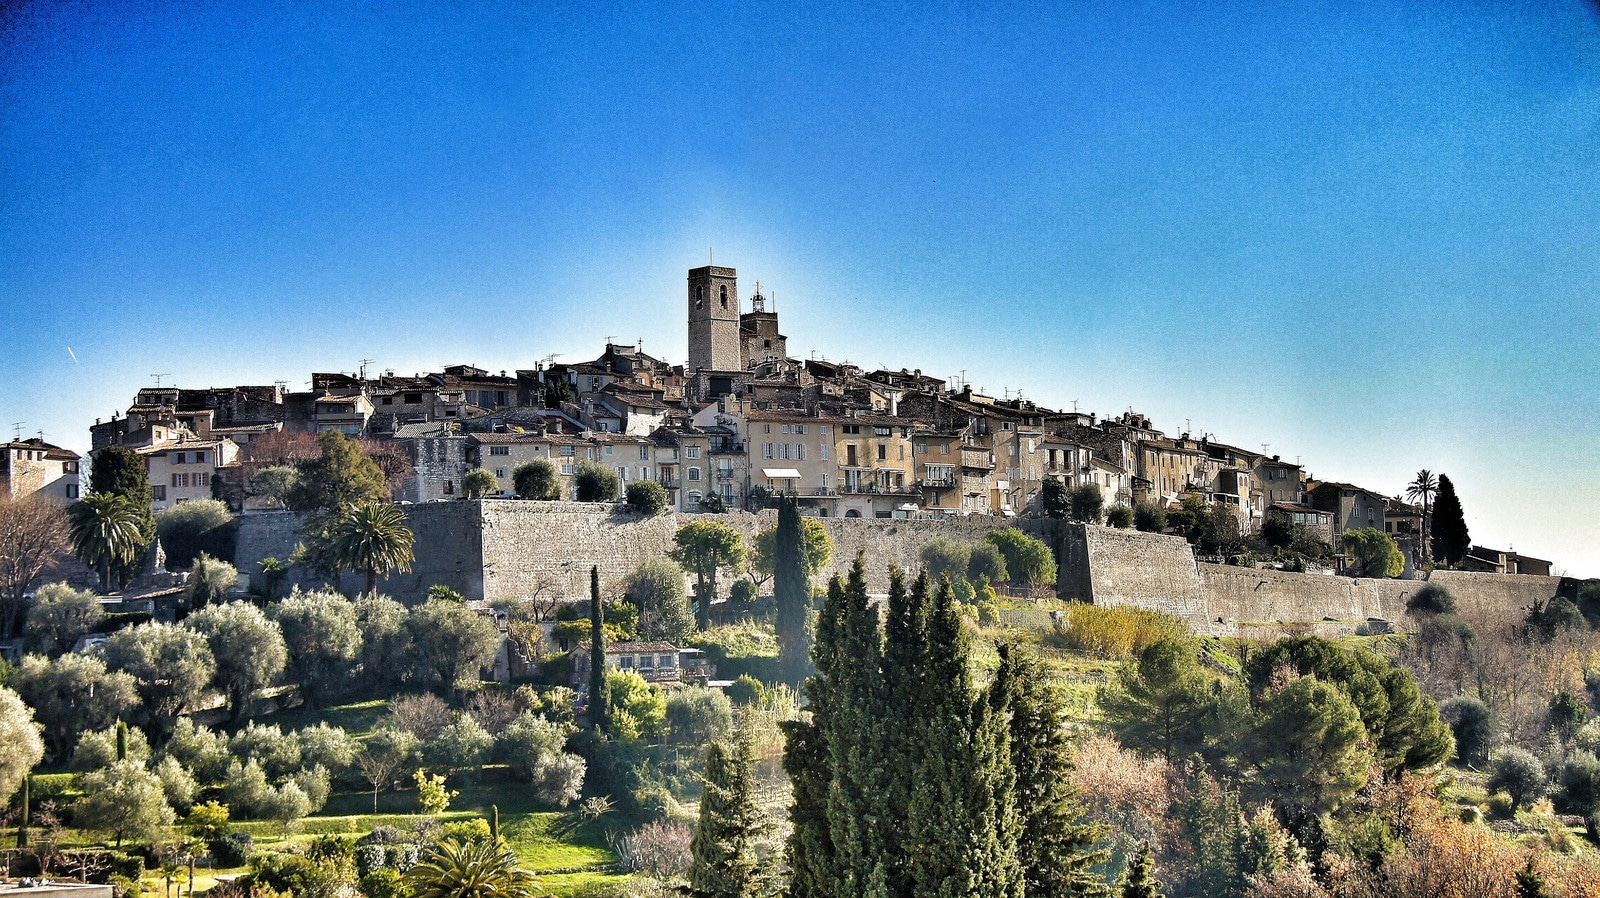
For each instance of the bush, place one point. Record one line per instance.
(1114, 632)
(1028, 561)
(593, 482)
(1520, 775)
(189, 529)
(382, 883)
(1149, 517)
(537, 479)
(647, 497)
(984, 562)
(1431, 599)
(697, 715)
(940, 555)
(233, 849)
(746, 690)
(1473, 727)
(1119, 516)
(743, 594)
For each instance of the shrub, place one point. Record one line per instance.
(647, 497)
(1149, 517)
(1473, 727)
(382, 883)
(593, 482)
(1500, 805)
(1119, 516)
(746, 690)
(99, 749)
(698, 715)
(1028, 561)
(233, 849)
(1519, 774)
(660, 848)
(1431, 599)
(743, 594)
(1114, 632)
(941, 555)
(986, 563)
(537, 479)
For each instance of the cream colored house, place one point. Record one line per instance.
(180, 469)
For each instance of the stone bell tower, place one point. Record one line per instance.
(713, 319)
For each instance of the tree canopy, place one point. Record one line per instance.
(1373, 552)
(1451, 539)
(1029, 562)
(703, 548)
(537, 479)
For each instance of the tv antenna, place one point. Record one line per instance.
(1074, 406)
(16, 431)
(362, 374)
(159, 376)
(1264, 447)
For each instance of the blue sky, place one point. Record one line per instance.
(1365, 235)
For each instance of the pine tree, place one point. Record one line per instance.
(724, 863)
(1530, 882)
(1056, 850)
(597, 653)
(791, 591)
(1140, 881)
(1450, 537)
(905, 650)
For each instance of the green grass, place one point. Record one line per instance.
(356, 718)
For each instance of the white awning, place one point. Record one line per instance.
(781, 473)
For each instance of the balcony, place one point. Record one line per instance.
(874, 489)
(728, 449)
(939, 483)
(669, 483)
(725, 473)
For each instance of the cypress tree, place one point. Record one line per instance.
(1450, 537)
(905, 650)
(122, 741)
(961, 824)
(791, 591)
(1140, 881)
(724, 863)
(1056, 850)
(597, 653)
(22, 825)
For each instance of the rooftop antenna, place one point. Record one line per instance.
(609, 338)
(363, 371)
(1074, 406)
(16, 430)
(710, 256)
(159, 376)
(1264, 447)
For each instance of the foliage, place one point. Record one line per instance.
(986, 563)
(697, 715)
(594, 482)
(462, 745)
(432, 794)
(199, 749)
(341, 477)
(383, 755)
(20, 745)
(277, 752)
(386, 649)
(1308, 748)
(124, 800)
(73, 694)
(537, 479)
(647, 497)
(275, 483)
(1149, 517)
(533, 746)
(816, 549)
(941, 555)
(1432, 598)
(660, 848)
(107, 532)
(637, 708)
(248, 647)
(1161, 700)
(452, 642)
(1473, 728)
(120, 471)
(1451, 540)
(1028, 561)
(800, 548)
(599, 697)
(724, 863)
(102, 748)
(1518, 773)
(702, 548)
(191, 528)
(1115, 632)
(1374, 552)
(1119, 516)
(1140, 881)
(477, 868)
(478, 483)
(1053, 500)
(655, 587)
(1086, 504)
(171, 666)
(177, 783)
(371, 538)
(323, 640)
(746, 690)
(209, 581)
(33, 534)
(60, 615)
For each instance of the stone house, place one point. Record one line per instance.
(33, 467)
(180, 469)
(938, 469)
(1319, 523)
(1351, 506)
(877, 476)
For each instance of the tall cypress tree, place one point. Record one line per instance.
(791, 591)
(905, 650)
(1055, 849)
(1450, 537)
(597, 653)
(724, 863)
(813, 867)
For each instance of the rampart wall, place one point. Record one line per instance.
(500, 549)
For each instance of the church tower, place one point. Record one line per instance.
(714, 319)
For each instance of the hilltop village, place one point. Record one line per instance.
(741, 422)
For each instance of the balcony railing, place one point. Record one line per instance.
(669, 483)
(939, 483)
(874, 489)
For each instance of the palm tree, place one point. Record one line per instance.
(372, 537)
(106, 529)
(1424, 488)
(475, 868)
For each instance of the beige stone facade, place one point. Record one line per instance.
(181, 469)
(36, 468)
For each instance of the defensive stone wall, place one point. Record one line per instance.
(502, 549)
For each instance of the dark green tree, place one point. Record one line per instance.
(537, 479)
(1087, 503)
(1450, 537)
(725, 863)
(1516, 772)
(597, 652)
(341, 477)
(703, 548)
(1054, 501)
(1307, 748)
(1029, 561)
(190, 529)
(792, 592)
(1530, 882)
(1160, 702)
(594, 482)
(107, 533)
(120, 471)
(1056, 849)
(1373, 552)
(1149, 517)
(1140, 882)
(655, 587)
(478, 483)
(371, 538)
(1119, 516)
(647, 497)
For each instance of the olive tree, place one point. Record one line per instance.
(73, 694)
(248, 647)
(20, 745)
(60, 616)
(171, 666)
(323, 640)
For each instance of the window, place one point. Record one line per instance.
(648, 662)
(766, 450)
(768, 427)
(625, 662)
(691, 452)
(823, 447)
(644, 472)
(880, 431)
(944, 449)
(800, 451)
(413, 399)
(449, 487)
(902, 453)
(500, 472)
(694, 475)
(664, 661)
(800, 428)
(850, 428)
(201, 479)
(823, 430)
(608, 450)
(883, 452)
(622, 473)
(567, 451)
(784, 428)
(158, 492)
(387, 400)
(499, 450)
(644, 453)
(724, 291)
(566, 469)
(72, 491)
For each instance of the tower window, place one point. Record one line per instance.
(724, 290)
(700, 296)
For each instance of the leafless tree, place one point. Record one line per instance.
(33, 537)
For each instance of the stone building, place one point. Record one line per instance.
(33, 467)
(180, 469)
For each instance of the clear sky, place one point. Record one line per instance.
(1366, 235)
